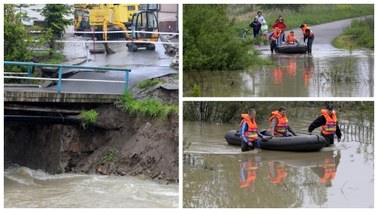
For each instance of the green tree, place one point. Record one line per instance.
(55, 22)
(17, 40)
(209, 40)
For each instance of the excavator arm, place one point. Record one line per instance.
(121, 25)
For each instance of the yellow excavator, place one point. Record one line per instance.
(143, 24)
(113, 12)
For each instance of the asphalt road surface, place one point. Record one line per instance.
(325, 33)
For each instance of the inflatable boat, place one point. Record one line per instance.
(299, 143)
(292, 49)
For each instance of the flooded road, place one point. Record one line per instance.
(327, 72)
(144, 64)
(219, 175)
(27, 188)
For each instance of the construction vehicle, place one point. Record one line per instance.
(113, 17)
(119, 12)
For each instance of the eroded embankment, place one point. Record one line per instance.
(117, 144)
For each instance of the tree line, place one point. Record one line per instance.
(227, 112)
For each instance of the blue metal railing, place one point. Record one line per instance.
(60, 67)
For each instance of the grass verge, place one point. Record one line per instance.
(147, 106)
(359, 35)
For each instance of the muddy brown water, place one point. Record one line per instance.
(327, 72)
(217, 175)
(28, 188)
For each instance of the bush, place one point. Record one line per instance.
(89, 116)
(209, 41)
(196, 91)
(110, 156)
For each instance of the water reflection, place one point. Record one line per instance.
(277, 172)
(248, 171)
(324, 74)
(358, 132)
(289, 66)
(274, 180)
(324, 165)
(327, 171)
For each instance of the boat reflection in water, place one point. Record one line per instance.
(276, 170)
(278, 179)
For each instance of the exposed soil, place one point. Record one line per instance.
(132, 146)
(117, 143)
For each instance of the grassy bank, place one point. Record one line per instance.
(359, 35)
(294, 16)
(147, 107)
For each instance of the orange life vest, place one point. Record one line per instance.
(250, 168)
(277, 75)
(292, 67)
(304, 31)
(290, 39)
(251, 132)
(281, 127)
(280, 174)
(276, 33)
(329, 170)
(330, 125)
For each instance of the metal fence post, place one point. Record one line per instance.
(126, 80)
(59, 87)
(29, 73)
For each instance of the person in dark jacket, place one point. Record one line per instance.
(256, 26)
(329, 123)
